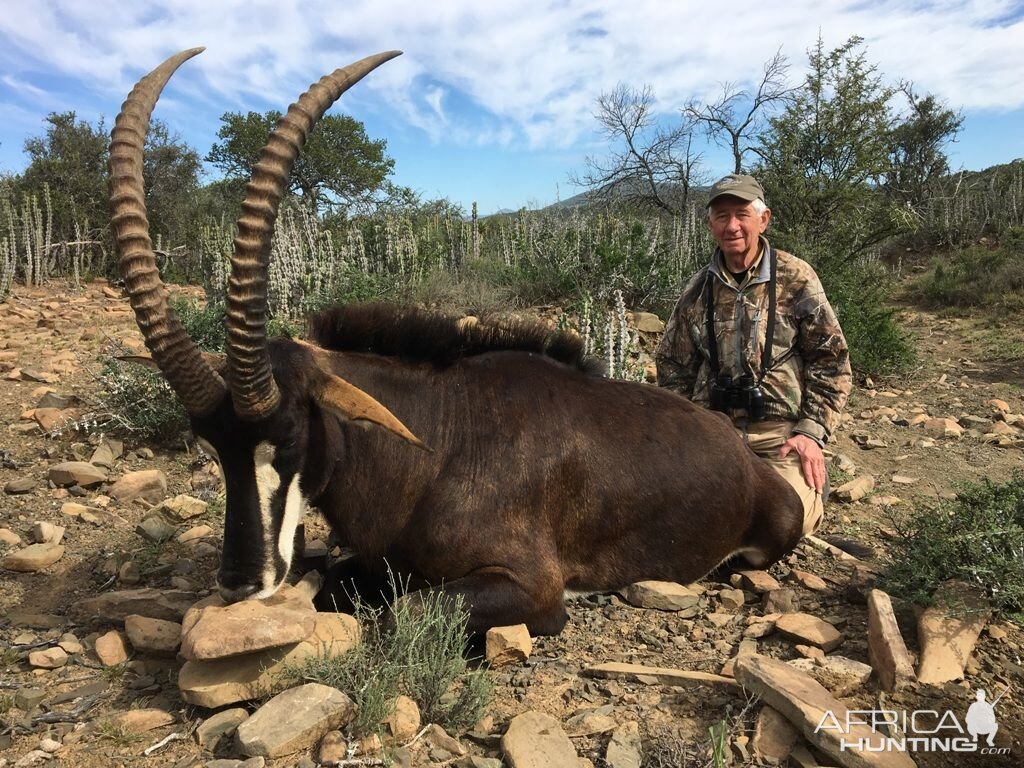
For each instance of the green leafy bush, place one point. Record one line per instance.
(978, 276)
(977, 538)
(204, 324)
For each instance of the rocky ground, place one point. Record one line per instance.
(83, 686)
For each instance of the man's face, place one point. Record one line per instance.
(736, 226)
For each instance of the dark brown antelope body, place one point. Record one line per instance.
(487, 460)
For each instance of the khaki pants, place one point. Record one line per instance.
(766, 438)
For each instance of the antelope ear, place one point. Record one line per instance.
(350, 403)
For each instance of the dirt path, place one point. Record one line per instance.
(50, 339)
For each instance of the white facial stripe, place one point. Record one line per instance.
(209, 449)
(267, 483)
(294, 508)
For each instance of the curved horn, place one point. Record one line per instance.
(253, 389)
(197, 384)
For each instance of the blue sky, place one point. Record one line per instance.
(491, 101)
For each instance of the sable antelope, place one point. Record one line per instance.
(488, 460)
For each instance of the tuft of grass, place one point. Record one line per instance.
(6, 704)
(421, 652)
(117, 734)
(978, 538)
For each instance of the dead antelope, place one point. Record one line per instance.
(497, 464)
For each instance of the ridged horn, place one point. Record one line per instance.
(253, 389)
(197, 384)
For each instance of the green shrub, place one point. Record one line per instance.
(420, 654)
(977, 276)
(138, 400)
(204, 324)
(977, 538)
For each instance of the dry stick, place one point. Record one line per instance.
(163, 743)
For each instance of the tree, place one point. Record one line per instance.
(918, 160)
(171, 171)
(826, 157)
(648, 165)
(725, 122)
(340, 166)
(71, 159)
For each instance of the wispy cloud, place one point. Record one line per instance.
(521, 74)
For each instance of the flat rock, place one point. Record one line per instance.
(943, 428)
(294, 720)
(220, 725)
(111, 648)
(662, 596)
(810, 630)
(195, 533)
(216, 631)
(590, 723)
(663, 675)
(779, 601)
(33, 558)
(732, 599)
(886, 650)
(9, 537)
(774, 736)
(808, 580)
(758, 581)
(147, 484)
(168, 604)
(648, 322)
(948, 631)
(536, 740)
(404, 721)
(840, 675)
(20, 485)
(508, 645)
(155, 636)
(155, 528)
(805, 703)
(47, 533)
(141, 720)
(213, 684)
(856, 489)
(77, 473)
(183, 507)
(624, 748)
(51, 658)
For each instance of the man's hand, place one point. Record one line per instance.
(812, 461)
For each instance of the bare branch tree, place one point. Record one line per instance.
(725, 122)
(648, 165)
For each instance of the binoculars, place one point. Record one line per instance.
(728, 394)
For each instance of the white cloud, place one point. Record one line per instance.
(533, 67)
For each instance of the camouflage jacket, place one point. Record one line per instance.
(810, 379)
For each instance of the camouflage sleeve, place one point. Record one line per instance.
(677, 358)
(827, 376)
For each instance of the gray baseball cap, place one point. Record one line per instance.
(737, 185)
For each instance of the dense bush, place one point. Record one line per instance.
(977, 276)
(976, 538)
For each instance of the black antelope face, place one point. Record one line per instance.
(262, 466)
